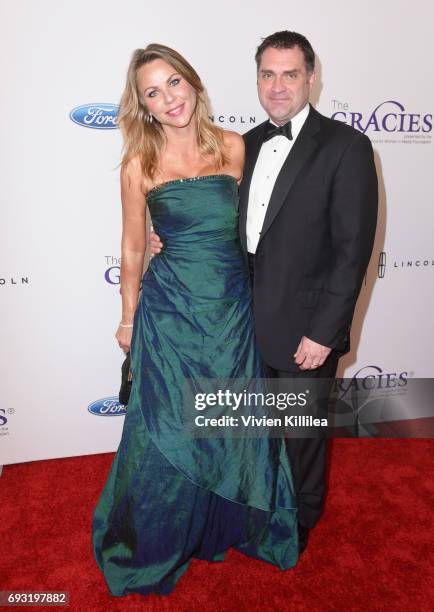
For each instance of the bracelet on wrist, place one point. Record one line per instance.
(124, 325)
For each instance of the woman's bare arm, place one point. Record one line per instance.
(133, 245)
(235, 151)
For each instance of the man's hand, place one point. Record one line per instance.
(155, 243)
(311, 355)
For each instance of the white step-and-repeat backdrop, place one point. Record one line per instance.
(63, 66)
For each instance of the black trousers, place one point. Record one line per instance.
(308, 456)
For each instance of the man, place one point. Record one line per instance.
(308, 210)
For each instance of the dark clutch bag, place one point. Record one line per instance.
(126, 381)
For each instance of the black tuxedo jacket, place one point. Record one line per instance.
(316, 240)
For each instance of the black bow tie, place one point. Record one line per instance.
(272, 130)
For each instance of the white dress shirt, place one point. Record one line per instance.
(268, 165)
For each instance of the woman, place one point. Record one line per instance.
(169, 496)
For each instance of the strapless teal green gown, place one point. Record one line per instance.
(171, 497)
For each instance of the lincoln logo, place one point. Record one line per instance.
(382, 264)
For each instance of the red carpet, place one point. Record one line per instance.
(372, 550)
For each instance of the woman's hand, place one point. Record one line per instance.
(155, 243)
(123, 336)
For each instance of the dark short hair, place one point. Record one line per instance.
(288, 40)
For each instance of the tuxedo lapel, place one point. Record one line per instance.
(252, 151)
(303, 148)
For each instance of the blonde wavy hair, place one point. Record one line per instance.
(144, 138)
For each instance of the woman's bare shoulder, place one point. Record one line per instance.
(235, 151)
(233, 140)
(132, 175)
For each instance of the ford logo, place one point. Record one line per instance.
(98, 116)
(107, 406)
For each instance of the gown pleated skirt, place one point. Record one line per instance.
(172, 497)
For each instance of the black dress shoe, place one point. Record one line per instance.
(303, 536)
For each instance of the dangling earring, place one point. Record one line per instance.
(149, 118)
